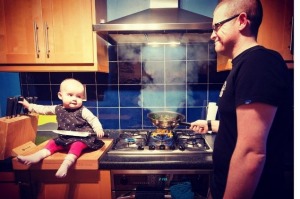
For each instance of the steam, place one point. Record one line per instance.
(129, 53)
(164, 81)
(164, 75)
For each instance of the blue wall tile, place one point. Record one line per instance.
(131, 118)
(109, 117)
(153, 72)
(129, 95)
(108, 96)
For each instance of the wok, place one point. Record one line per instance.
(167, 119)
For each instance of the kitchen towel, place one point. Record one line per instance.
(182, 191)
(212, 110)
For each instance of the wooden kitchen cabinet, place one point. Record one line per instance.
(78, 184)
(48, 35)
(275, 31)
(8, 185)
(84, 180)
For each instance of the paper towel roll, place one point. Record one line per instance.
(212, 110)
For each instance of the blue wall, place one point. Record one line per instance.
(10, 86)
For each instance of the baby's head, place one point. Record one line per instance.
(71, 93)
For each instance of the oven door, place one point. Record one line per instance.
(159, 184)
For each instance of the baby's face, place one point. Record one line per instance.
(72, 95)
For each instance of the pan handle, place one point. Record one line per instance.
(185, 124)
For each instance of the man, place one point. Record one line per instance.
(255, 108)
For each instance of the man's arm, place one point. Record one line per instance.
(253, 123)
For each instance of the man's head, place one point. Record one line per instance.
(71, 93)
(233, 21)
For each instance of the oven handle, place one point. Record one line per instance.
(133, 197)
(126, 197)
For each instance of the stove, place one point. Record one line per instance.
(157, 142)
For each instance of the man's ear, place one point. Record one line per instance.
(243, 20)
(59, 95)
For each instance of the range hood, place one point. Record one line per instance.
(163, 22)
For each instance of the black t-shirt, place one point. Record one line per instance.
(258, 75)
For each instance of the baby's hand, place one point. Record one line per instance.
(25, 103)
(100, 133)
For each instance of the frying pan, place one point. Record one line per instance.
(167, 119)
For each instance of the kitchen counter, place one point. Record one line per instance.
(133, 162)
(109, 162)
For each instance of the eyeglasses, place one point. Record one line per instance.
(218, 25)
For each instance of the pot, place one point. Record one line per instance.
(167, 119)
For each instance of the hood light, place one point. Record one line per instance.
(163, 43)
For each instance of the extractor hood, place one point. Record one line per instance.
(158, 24)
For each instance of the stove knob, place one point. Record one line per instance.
(172, 147)
(124, 180)
(162, 147)
(151, 147)
(181, 148)
(140, 147)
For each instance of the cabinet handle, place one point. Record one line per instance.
(47, 40)
(36, 39)
(291, 47)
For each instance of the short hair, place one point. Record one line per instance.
(253, 9)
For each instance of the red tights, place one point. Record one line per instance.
(75, 148)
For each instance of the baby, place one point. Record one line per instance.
(71, 116)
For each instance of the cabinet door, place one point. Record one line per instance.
(20, 31)
(8, 186)
(77, 184)
(46, 32)
(68, 31)
(276, 28)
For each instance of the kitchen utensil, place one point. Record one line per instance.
(19, 106)
(15, 105)
(30, 100)
(167, 119)
(9, 107)
(73, 133)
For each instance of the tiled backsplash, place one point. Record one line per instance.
(142, 79)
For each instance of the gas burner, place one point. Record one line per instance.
(161, 144)
(162, 133)
(193, 143)
(161, 138)
(131, 140)
(158, 141)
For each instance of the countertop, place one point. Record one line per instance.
(121, 162)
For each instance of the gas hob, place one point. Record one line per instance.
(157, 142)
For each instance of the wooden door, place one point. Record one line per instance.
(69, 35)
(78, 184)
(45, 31)
(8, 186)
(20, 31)
(276, 28)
